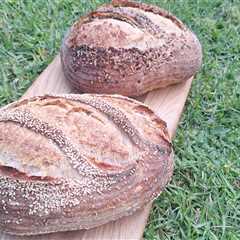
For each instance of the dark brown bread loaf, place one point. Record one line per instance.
(129, 48)
(78, 161)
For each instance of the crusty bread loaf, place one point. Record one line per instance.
(129, 48)
(78, 161)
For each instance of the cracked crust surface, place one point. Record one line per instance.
(129, 48)
(78, 161)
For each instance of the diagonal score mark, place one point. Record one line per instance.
(77, 160)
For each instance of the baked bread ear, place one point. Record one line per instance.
(78, 161)
(129, 48)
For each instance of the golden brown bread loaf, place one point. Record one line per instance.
(129, 48)
(78, 161)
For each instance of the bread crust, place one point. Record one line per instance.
(129, 48)
(108, 156)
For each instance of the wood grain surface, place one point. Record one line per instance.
(168, 103)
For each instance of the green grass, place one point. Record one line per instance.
(203, 199)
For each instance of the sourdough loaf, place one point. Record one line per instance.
(78, 161)
(129, 48)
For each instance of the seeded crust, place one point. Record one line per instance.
(129, 48)
(78, 161)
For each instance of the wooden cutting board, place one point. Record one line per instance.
(168, 103)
